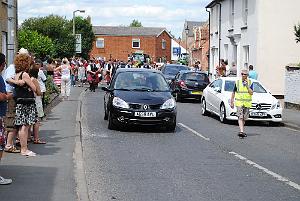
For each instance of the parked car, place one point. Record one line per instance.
(139, 96)
(190, 84)
(216, 99)
(170, 70)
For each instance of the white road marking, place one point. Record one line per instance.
(273, 174)
(193, 131)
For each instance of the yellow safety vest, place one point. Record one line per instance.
(242, 96)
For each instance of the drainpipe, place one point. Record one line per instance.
(208, 70)
(219, 32)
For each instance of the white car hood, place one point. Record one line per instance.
(263, 98)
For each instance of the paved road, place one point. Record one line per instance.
(202, 160)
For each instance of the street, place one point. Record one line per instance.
(203, 160)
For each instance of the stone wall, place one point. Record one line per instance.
(292, 87)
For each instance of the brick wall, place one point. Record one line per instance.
(292, 87)
(119, 47)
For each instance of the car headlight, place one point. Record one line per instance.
(169, 104)
(277, 105)
(118, 102)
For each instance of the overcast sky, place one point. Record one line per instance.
(170, 14)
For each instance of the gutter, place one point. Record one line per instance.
(208, 40)
(220, 5)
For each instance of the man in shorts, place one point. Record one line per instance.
(242, 98)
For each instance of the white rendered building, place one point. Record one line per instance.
(257, 32)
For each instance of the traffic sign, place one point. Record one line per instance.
(78, 43)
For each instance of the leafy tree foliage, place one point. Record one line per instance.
(135, 23)
(297, 33)
(36, 43)
(60, 30)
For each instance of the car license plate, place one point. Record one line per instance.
(145, 114)
(196, 92)
(258, 114)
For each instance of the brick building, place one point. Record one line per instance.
(8, 28)
(115, 42)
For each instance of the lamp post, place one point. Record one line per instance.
(82, 11)
(186, 41)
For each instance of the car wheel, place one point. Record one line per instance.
(204, 112)
(177, 97)
(111, 124)
(171, 127)
(105, 113)
(223, 113)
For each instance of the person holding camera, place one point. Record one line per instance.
(242, 98)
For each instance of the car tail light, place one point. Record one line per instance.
(182, 84)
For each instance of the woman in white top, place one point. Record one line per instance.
(65, 70)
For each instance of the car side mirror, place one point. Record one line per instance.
(217, 89)
(105, 89)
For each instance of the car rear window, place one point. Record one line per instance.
(195, 77)
(173, 70)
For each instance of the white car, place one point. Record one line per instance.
(216, 99)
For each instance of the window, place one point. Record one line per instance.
(135, 43)
(100, 43)
(226, 51)
(163, 44)
(246, 56)
(231, 14)
(245, 12)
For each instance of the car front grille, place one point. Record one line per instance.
(261, 106)
(136, 106)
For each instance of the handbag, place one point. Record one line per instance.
(23, 95)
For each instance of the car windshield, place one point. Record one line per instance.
(257, 88)
(140, 81)
(194, 77)
(173, 70)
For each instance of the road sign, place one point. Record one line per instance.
(78, 43)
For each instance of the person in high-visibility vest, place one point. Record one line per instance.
(242, 98)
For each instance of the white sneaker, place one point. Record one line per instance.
(5, 181)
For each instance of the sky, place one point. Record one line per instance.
(170, 14)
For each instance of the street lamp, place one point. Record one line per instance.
(186, 40)
(82, 11)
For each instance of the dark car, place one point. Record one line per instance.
(189, 84)
(170, 70)
(139, 96)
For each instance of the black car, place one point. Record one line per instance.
(189, 84)
(139, 96)
(170, 70)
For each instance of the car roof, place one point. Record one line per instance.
(119, 70)
(190, 71)
(176, 65)
(234, 79)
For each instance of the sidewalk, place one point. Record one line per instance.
(50, 175)
(291, 118)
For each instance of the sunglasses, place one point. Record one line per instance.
(244, 74)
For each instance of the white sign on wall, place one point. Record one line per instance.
(78, 43)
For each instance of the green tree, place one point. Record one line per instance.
(297, 33)
(55, 27)
(84, 27)
(135, 23)
(36, 43)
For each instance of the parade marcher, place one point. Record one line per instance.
(242, 98)
(65, 70)
(93, 77)
(3, 104)
(81, 74)
(221, 70)
(252, 73)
